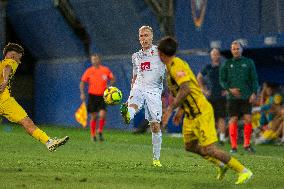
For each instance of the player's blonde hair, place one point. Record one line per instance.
(146, 28)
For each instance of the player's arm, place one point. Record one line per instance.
(134, 70)
(182, 93)
(178, 116)
(6, 72)
(202, 84)
(82, 92)
(112, 79)
(133, 80)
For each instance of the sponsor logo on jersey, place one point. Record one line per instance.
(145, 66)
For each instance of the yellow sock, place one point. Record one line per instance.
(40, 135)
(236, 165)
(214, 160)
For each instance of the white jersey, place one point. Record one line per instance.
(149, 69)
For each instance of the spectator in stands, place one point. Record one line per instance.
(214, 92)
(239, 78)
(269, 108)
(271, 116)
(97, 77)
(9, 108)
(274, 131)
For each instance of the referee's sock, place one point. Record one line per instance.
(93, 128)
(247, 134)
(233, 130)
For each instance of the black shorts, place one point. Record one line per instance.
(219, 107)
(239, 107)
(96, 103)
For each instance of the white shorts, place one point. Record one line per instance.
(151, 101)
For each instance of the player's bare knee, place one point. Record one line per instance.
(155, 126)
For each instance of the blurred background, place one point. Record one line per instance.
(59, 35)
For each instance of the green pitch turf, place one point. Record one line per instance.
(122, 161)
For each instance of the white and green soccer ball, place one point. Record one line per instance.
(112, 96)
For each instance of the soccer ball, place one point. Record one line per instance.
(112, 96)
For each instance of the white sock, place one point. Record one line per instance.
(157, 142)
(132, 112)
(222, 137)
(282, 140)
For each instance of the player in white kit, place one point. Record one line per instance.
(146, 89)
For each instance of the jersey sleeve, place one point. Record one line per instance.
(181, 73)
(11, 63)
(85, 76)
(134, 68)
(110, 74)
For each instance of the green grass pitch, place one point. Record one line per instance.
(122, 161)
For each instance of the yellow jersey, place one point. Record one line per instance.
(6, 93)
(179, 72)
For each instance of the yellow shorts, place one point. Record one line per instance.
(12, 110)
(201, 128)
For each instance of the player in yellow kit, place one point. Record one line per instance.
(199, 131)
(9, 107)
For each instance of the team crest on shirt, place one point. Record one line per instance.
(145, 66)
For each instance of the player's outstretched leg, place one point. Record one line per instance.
(125, 113)
(37, 133)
